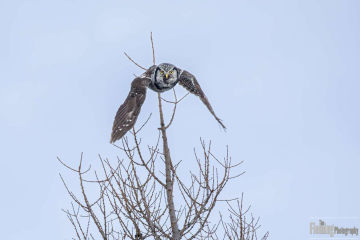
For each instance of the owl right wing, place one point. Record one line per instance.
(129, 111)
(188, 81)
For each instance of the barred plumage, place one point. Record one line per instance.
(160, 78)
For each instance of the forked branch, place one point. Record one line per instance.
(137, 200)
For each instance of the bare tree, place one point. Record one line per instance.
(134, 205)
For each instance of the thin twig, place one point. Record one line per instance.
(134, 62)
(152, 46)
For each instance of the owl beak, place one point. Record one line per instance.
(167, 75)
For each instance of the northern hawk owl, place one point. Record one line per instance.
(159, 78)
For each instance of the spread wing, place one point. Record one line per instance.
(128, 112)
(188, 81)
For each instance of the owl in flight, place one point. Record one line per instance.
(159, 78)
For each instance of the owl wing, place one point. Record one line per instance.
(188, 81)
(128, 112)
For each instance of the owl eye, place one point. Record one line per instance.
(171, 72)
(162, 72)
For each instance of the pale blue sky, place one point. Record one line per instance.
(283, 75)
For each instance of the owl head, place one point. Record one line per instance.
(166, 74)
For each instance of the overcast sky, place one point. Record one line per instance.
(283, 75)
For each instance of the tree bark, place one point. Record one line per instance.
(168, 174)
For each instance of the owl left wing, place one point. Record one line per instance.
(188, 81)
(129, 111)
